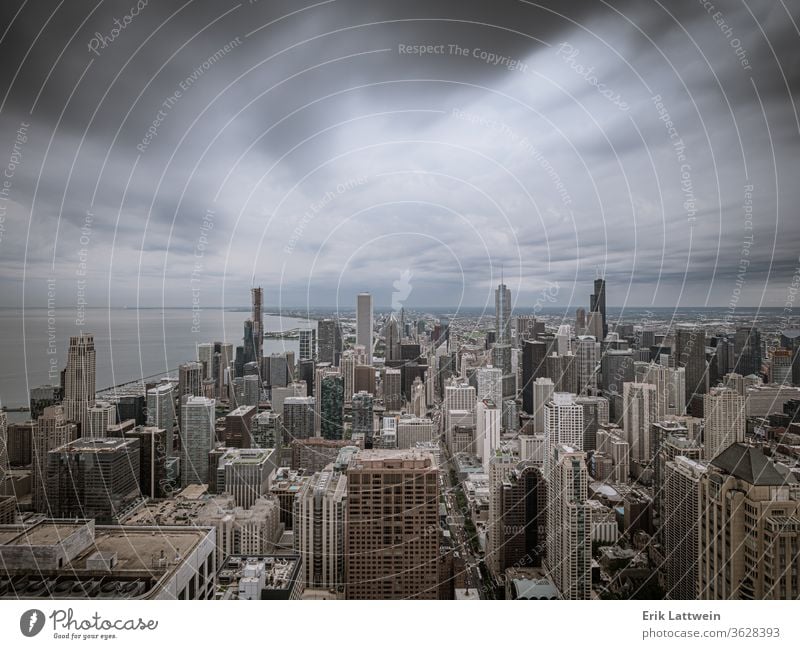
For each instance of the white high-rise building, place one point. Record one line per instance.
(563, 424)
(587, 356)
(490, 383)
(51, 431)
(543, 389)
(502, 313)
(724, 413)
(489, 419)
(161, 410)
(205, 356)
(414, 430)
(197, 439)
(246, 474)
(79, 379)
(364, 323)
(419, 397)
(681, 527)
(101, 415)
(532, 449)
(569, 524)
(563, 339)
(319, 526)
(670, 385)
(308, 344)
(460, 396)
(640, 411)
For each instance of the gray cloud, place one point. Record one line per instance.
(332, 162)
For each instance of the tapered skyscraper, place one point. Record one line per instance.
(79, 379)
(502, 313)
(257, 318)
(364, 322)
(598, 302)
(690, 353)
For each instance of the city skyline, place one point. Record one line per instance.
(356, 300)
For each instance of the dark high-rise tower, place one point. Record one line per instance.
(690, 352)
(598, 302)
(257, 317)
(502, 313)
(747, 347)
(329, 337)
(534, 353)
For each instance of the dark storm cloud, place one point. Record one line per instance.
(331, 162)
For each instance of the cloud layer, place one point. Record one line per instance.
(323, 150)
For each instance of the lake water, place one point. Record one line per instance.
(129, 343)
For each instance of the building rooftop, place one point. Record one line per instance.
(393, 459)
(280, 573)
(48, 532)
(241, 411)
(95, 445)
(75, 559)
(751, 465)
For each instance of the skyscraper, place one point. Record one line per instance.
(331, 399)
(298, 417)
(543, 389)
(790, 339)
(42, 396)
(587, 357)
(93, 478)
(598, 302)
(257, 318)
(246, 474)
(580, 321)
(4, 462)
(319, 526)
(329, 335)
(490, 384)
(392, 389)
(79, 379)
(502, 313)
(563, 424)
(488, 421)
(392, 337)
(749, 528)
(724, 413)
(364, 323)
(670, 388)
(680, 527)
(161, 411)
(569, 526)
(392, 526)
(190, 380)
(534, 353)
(563, 339)
(781, 367)
(520, 518)
(308, 344)
(152, 457)
(100, 415)
(52, 430)
(363, 417)
(197, 439)
(747, 347)
(640, 412)
(690, 353)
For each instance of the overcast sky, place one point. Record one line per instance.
(334, 159)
